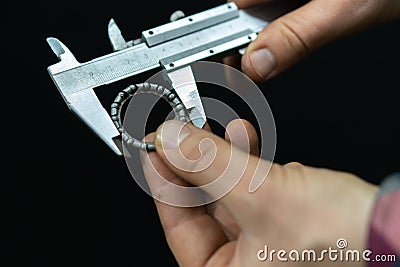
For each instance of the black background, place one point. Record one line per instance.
(70, 201)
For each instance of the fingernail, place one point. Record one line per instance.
(263, 62)
(172, 133)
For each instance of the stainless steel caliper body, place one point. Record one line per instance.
(172, 46)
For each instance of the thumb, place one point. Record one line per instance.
(204, 159)
(296, 34)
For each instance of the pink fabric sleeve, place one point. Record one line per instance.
(384, 236)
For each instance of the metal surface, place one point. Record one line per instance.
(190, 24)
(177, 15)
(117, 40)
(213, 48)
(172, 46)
(184, 84)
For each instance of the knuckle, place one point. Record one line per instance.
(294, 170)
(294, 36)
(293, 165)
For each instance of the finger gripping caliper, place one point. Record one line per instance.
(171, 47)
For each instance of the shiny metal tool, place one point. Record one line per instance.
(172, 47)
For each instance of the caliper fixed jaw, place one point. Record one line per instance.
(82, 101)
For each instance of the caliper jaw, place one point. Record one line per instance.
(184, 84)
(84, 103)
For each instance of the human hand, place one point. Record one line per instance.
(296, 34)
(295, 208)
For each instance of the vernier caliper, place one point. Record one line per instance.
(172, 47)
